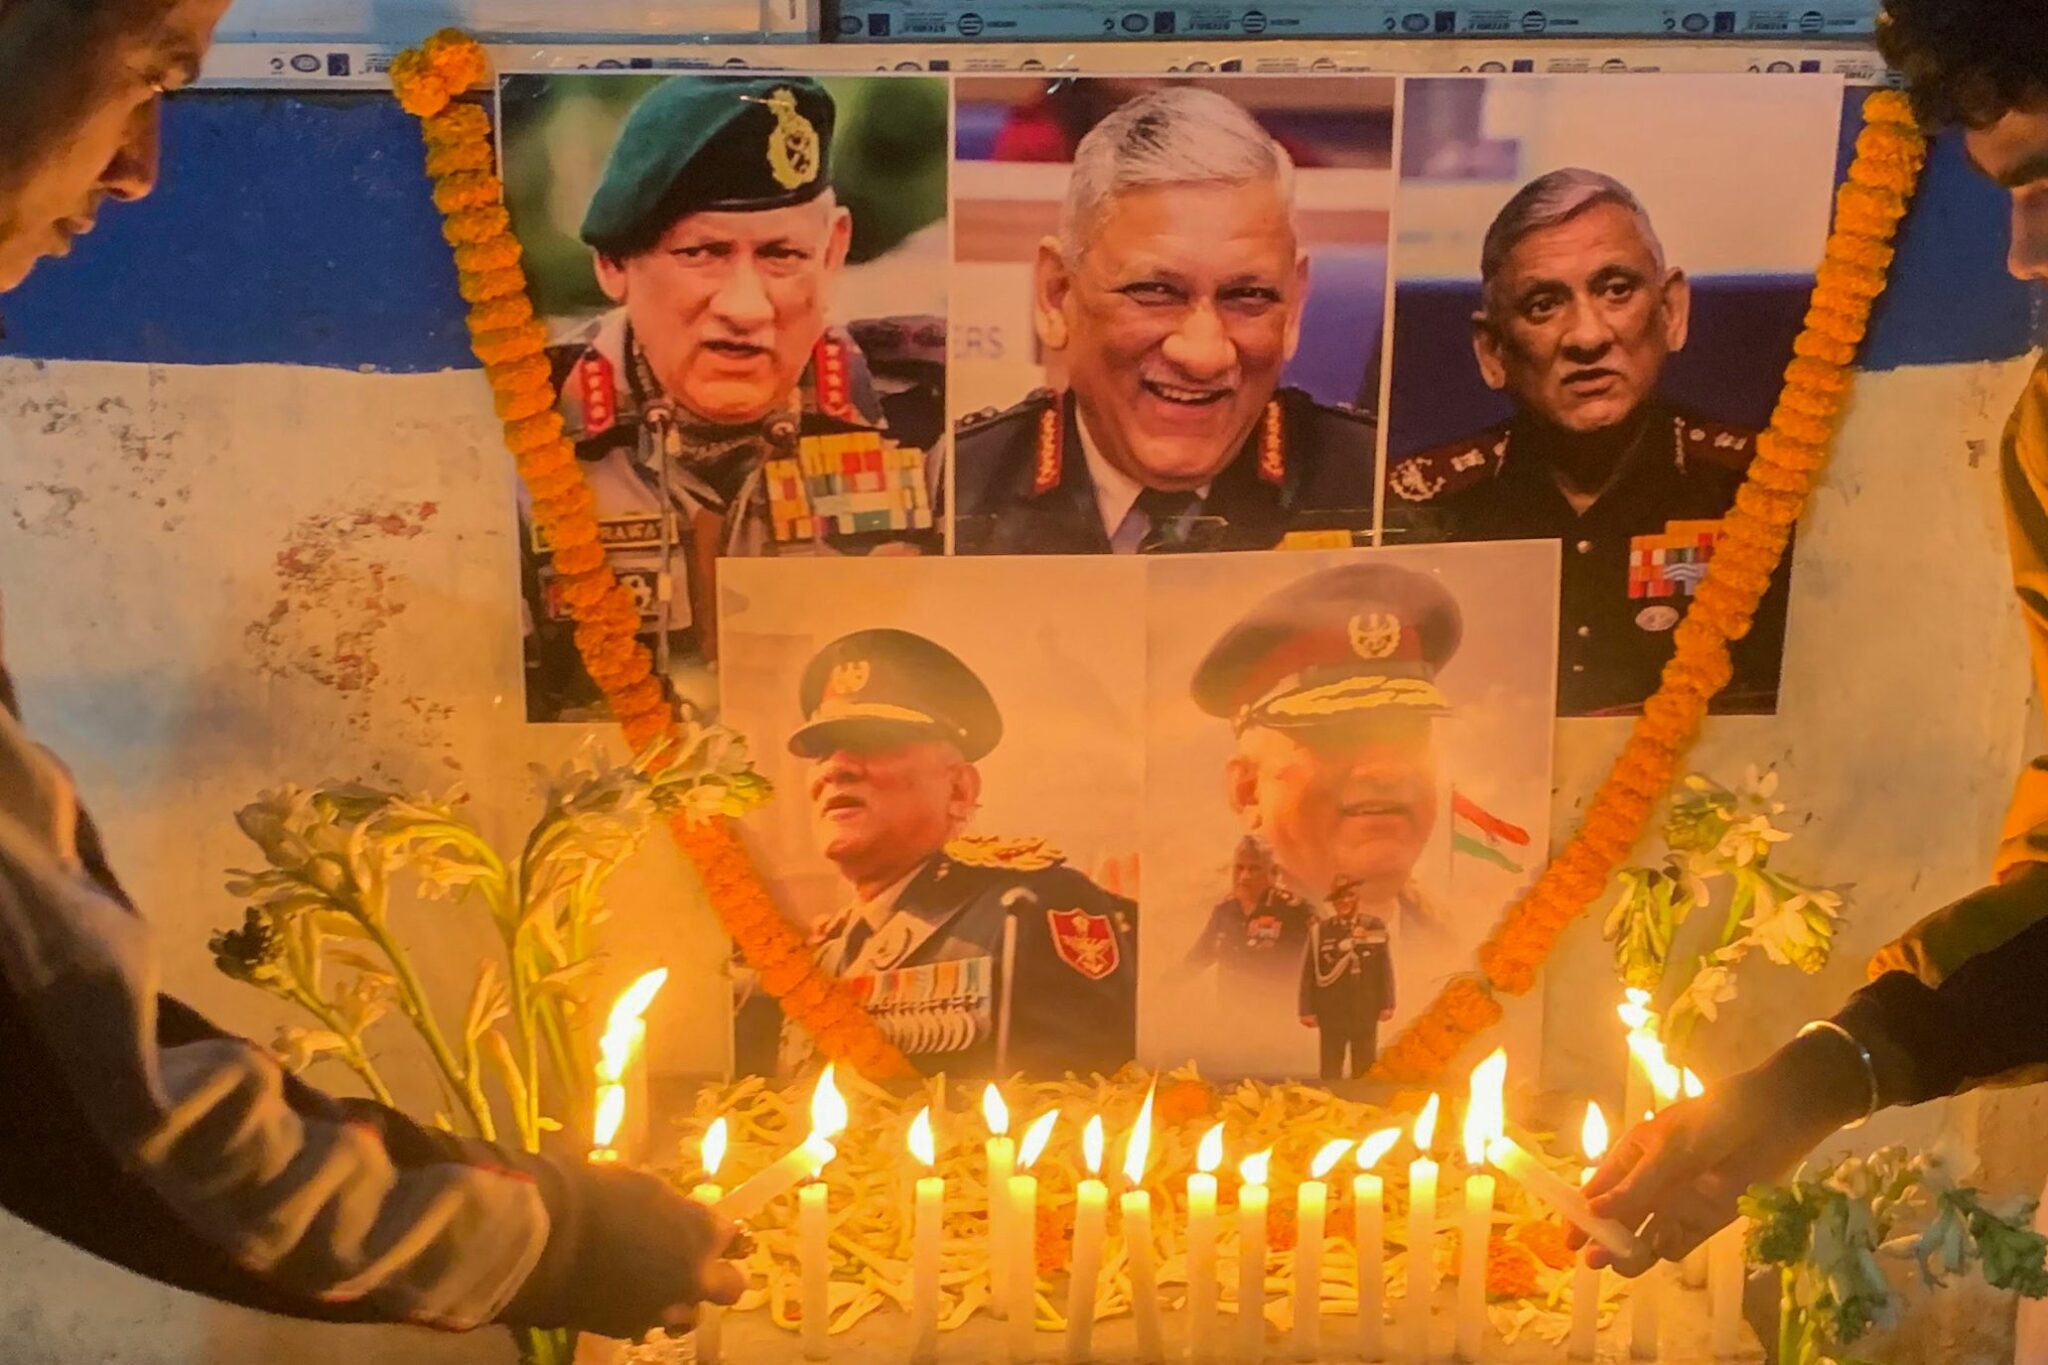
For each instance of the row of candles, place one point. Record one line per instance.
(1012, 1220)
(1012, 1216)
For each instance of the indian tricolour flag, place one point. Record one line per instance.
(1478, 833)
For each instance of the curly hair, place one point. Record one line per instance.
(1967, 61)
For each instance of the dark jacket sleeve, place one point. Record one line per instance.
(1308, 972)
(1385, 969)
(1203, 951)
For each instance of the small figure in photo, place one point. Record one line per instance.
(1347, 983)
(1256, 935)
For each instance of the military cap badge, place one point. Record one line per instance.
(1375, 635)
(793, 148)
(847, 679)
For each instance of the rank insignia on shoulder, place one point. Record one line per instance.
(597, 393)
(1017, 855)
(1412, 481)
(1085, 942)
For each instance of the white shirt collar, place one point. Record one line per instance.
(1115, 491)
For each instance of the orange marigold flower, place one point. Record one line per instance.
(517, 376)
(529, 402)
(457, 123)
(457, 57)
(499, 313)
(458, 158)
(559, 479)
(474, 226)
(513, 343)
(468, 190)
(1544, 1240)
(491, 284)
(1510, 1270)
(534, 433)
(1186, 1100)
(421, 91)
(481, 258)
(576, 559)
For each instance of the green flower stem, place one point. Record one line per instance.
(1789, 1320)
(1739, 903)
(353, 1054)
(545, 1347)
(412, 998)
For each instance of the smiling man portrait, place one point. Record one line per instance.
(1171, 299)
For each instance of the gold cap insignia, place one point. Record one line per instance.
(847, 679)
(1375, 635)
(793, 151)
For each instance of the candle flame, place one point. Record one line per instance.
(1091, 1145)
(994, 1111)
(1138, 1146)
(1593, 1135)
(828, 1107)
(1635, 1012)
(1484, 1117)
(1254, 1168)
(1209, 1154)
(1425, 1126)
(922, 1145)
(623, 1034)
(1375, 1147)
(1691, 1084)
(1647, 1048)
(1327, 1159)
(711, 1153)
(1035, 1138)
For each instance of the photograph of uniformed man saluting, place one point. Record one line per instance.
(1602, 380)
(690, 240)
(1347, 983)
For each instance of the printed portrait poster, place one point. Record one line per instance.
(743, 279)
(956, 747)
(1348, 760)
(1598, 283)
(1168, 309)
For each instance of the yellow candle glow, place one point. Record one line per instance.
(1202, 1247)
(624, 1035)
(710, 1317)
(1483, 1123)
(1421, 1233)
(1368, 1195)
(1090, 1223)
(1311, 1203)
(927, 1230)
(1251, 1257)
(1001, 1153)
(1138, 1248)
(1023, 1215)
(828, 1120)
(1585, 1331)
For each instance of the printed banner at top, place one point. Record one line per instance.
(1022, 20)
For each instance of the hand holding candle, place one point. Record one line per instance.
(1090, 1221)
(710, 1317)
(1251, 1258)
(924, 1248)
(1421, 1234)
(1137, 1211)
(1368, 1194)
(1483, 1123)
(1202, 1247)
(1311, 1202)
(1585, 1331)
(828, 1120)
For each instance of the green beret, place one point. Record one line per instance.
(881, 687)
(701, 143)
(1337, 647)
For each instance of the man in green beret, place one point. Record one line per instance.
(1330, 685)
(979, 955)
(715, 410)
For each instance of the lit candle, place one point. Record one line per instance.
(1645, 1301)
(710, 1317)
(1137, 1211)
(1483, 1123)
(617, 1052)
(1202, 1247)
(1641, 1022)
(1726, 1272)
(1251, 1258)
(1002, 1164)
(828, 1120)
(1085, 1272)
(1421, 1233)
(1565, 1200)
(1368, 1196)
(814, 1267)
(1023, 1237)
(1585, 1333)
(1693, 1273)
(927, 1226)
(1311, 1202)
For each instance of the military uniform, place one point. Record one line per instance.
(1632, 559)
(826, 473)
(991, 955)
(1347, 979)
(1023, 486)
(1262, 944)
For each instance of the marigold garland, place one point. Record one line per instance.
(510, 343)
(1789, 455)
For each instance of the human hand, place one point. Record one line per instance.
(1683, 1170)
(1308, 1021)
